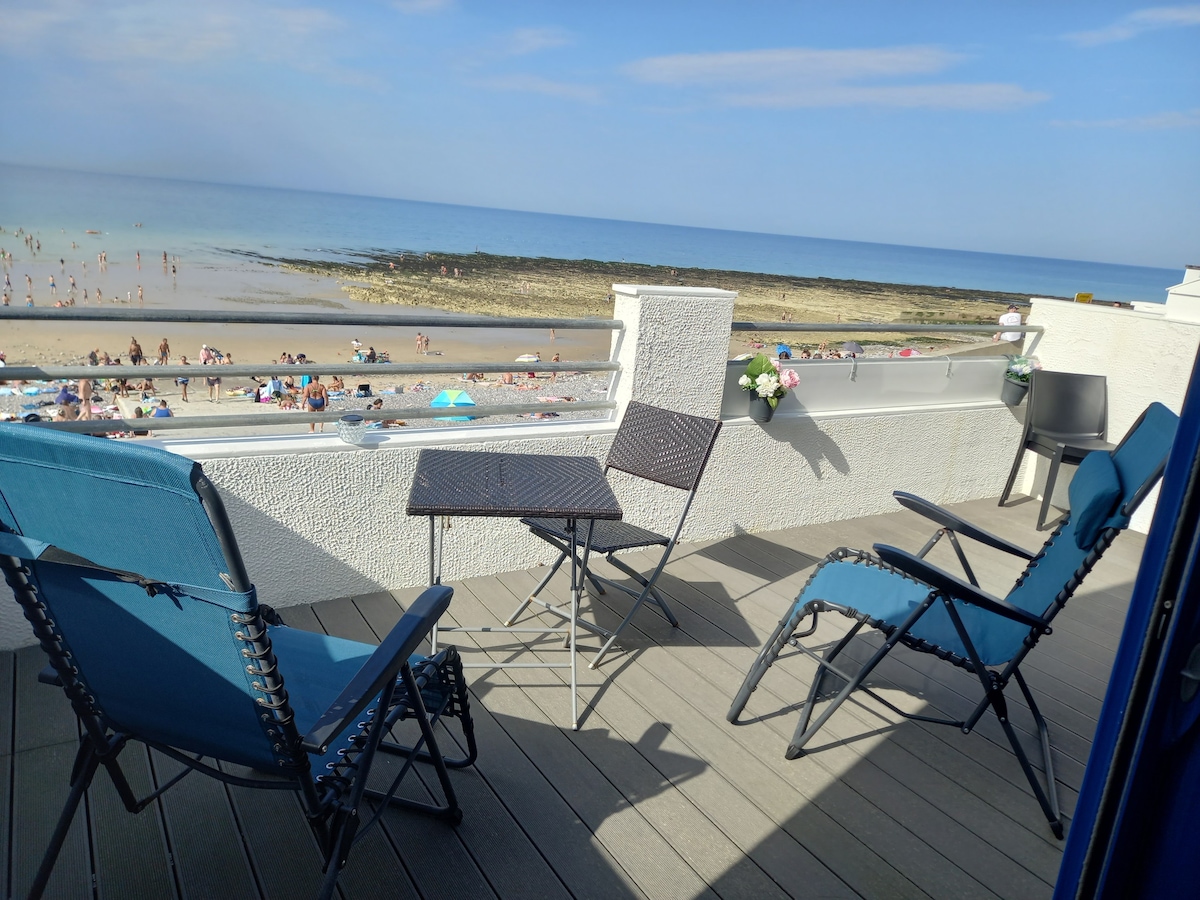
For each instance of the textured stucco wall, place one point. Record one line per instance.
(1145, 357)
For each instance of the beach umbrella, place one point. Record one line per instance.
(452, 399)
(909, 351)
(852, 347)
(528, 358)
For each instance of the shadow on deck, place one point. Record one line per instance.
(656, 795)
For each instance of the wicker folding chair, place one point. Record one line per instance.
(173, 649)
(658, 445)
(919, 605)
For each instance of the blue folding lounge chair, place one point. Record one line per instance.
(173, 650)
(917, 604)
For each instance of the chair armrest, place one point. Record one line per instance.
(958, 525)
(381, 668)
(955, 587)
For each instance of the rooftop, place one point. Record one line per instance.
(656, 795)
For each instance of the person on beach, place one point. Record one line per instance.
(554, 375)
(207, 357)
(1010, 319)
(135, 352)
(420, 342)
(29, 299)
(164, 352)
(53, 287)
(214, 388)
(70, 284)
(183, 382)
(162, 411)
(85, 398)
(336, 384)
(141, 301)
(314, 399)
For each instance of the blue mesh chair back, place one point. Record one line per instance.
(139, 654)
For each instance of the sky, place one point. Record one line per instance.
(1065, 129)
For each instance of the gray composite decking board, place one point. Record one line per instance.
(130, 851)
(657, 791)
(539, 724)
(512, 863)
(960, 767)
(54, 721)
(269, 820)
(733, 669)
(205, 841)
(8, 665)
(45, 740)
(823, 836)
(801, 690)
(555, 831)
(39, 790)
(905, 805)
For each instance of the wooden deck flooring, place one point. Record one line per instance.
(656, 796)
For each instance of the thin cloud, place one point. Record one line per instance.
(688, 69)
(175, 35)
(1137, 23)
(422, 7)
(1157, 122)
(977, 97)
(798, 77)
(524, 41)
(535, 84)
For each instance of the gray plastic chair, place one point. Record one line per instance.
(659, 445)
(1067, 418)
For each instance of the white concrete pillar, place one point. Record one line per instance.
(673, 348)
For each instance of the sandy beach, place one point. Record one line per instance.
(440, 286)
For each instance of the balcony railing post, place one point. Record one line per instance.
(674, 347)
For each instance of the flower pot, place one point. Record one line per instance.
(1012, 392)
(761, 409)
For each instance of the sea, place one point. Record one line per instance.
(228, 226)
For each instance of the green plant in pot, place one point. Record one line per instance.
(766, 383)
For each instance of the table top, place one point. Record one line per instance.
(483, 483)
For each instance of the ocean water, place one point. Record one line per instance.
(224, 225)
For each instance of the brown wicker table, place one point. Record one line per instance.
(478, 483)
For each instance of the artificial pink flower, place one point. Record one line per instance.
(788, 378)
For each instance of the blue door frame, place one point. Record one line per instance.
(1132, 832)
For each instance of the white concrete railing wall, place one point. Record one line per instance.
(317, 519)
(318, 525)
(1146, 356)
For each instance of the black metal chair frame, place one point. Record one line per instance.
(943, 588)
(655, 444)
(333, 803)
(1058, 447)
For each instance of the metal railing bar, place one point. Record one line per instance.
(245, 370)
(326, 319)
(253, 420)
(878, 328)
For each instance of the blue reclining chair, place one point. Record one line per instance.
(172, 649)
(927, 609)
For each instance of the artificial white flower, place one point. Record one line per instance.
(744, 381)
